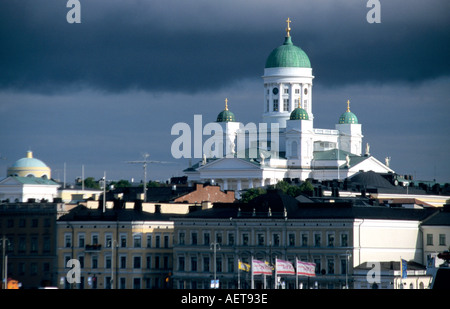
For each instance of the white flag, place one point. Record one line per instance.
(261, 268)
(306, 269)
(284, 268)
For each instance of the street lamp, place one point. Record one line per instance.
(104, 191)
(5, 261)
(213, 246)
(111, 243)
(348, 254)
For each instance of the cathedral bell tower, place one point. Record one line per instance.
(350, 132)
(287, 79)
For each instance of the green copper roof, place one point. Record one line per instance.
(226, 116)
(288, 55)
(299, 114)
(348, 118)
(35, 181)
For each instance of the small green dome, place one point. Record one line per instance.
(299, 114)
(288, 55)
(348, 118)
(226, 115)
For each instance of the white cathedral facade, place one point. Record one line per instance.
(291, 148)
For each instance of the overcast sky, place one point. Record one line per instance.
(105, 91)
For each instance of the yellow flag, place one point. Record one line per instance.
(244, 266)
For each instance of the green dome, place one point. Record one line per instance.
(288, 55)
(348, 118)
(299, 114)
(226, 116)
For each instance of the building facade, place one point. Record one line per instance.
(119, 249)
(15, 189)
(436, 236)
(29, 230)
(337, 237)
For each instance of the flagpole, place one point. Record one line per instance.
(275, 272)
(239, 274)
(253, 283)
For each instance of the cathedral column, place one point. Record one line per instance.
(239, 185)
(280, 97)
(291, 98)
(250, 183)
(225, 184)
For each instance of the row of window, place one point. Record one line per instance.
(26, 223)
(152, 240)
(441, 240)
(29, 244)
(137, 283)
(285, 106)
(151, 262)
(31, 268)
(228, 264)
(275, 240)
(285, 91)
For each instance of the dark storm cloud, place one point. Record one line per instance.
(103, 92)
(198, 45)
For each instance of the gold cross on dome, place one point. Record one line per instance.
(300, 102)
(226, 104)
(348, 105)
(288, 29)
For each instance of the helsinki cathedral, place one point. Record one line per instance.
(298, 151)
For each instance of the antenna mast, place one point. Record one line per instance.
(144, 165)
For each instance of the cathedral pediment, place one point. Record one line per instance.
(230, 164)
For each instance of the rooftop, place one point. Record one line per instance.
(82, 213)
(275, 204)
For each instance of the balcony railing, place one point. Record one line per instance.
(95, 247)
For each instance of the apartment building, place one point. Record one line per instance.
(28, 234)
(436, 236)
(123, 248)
(336, 236)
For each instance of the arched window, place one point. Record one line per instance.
(294, 152)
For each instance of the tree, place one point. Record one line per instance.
(293, 190)
(153, 184)
(121, 183)
(90, 182)
(250, 194)
(283, 186)
(306, 187)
